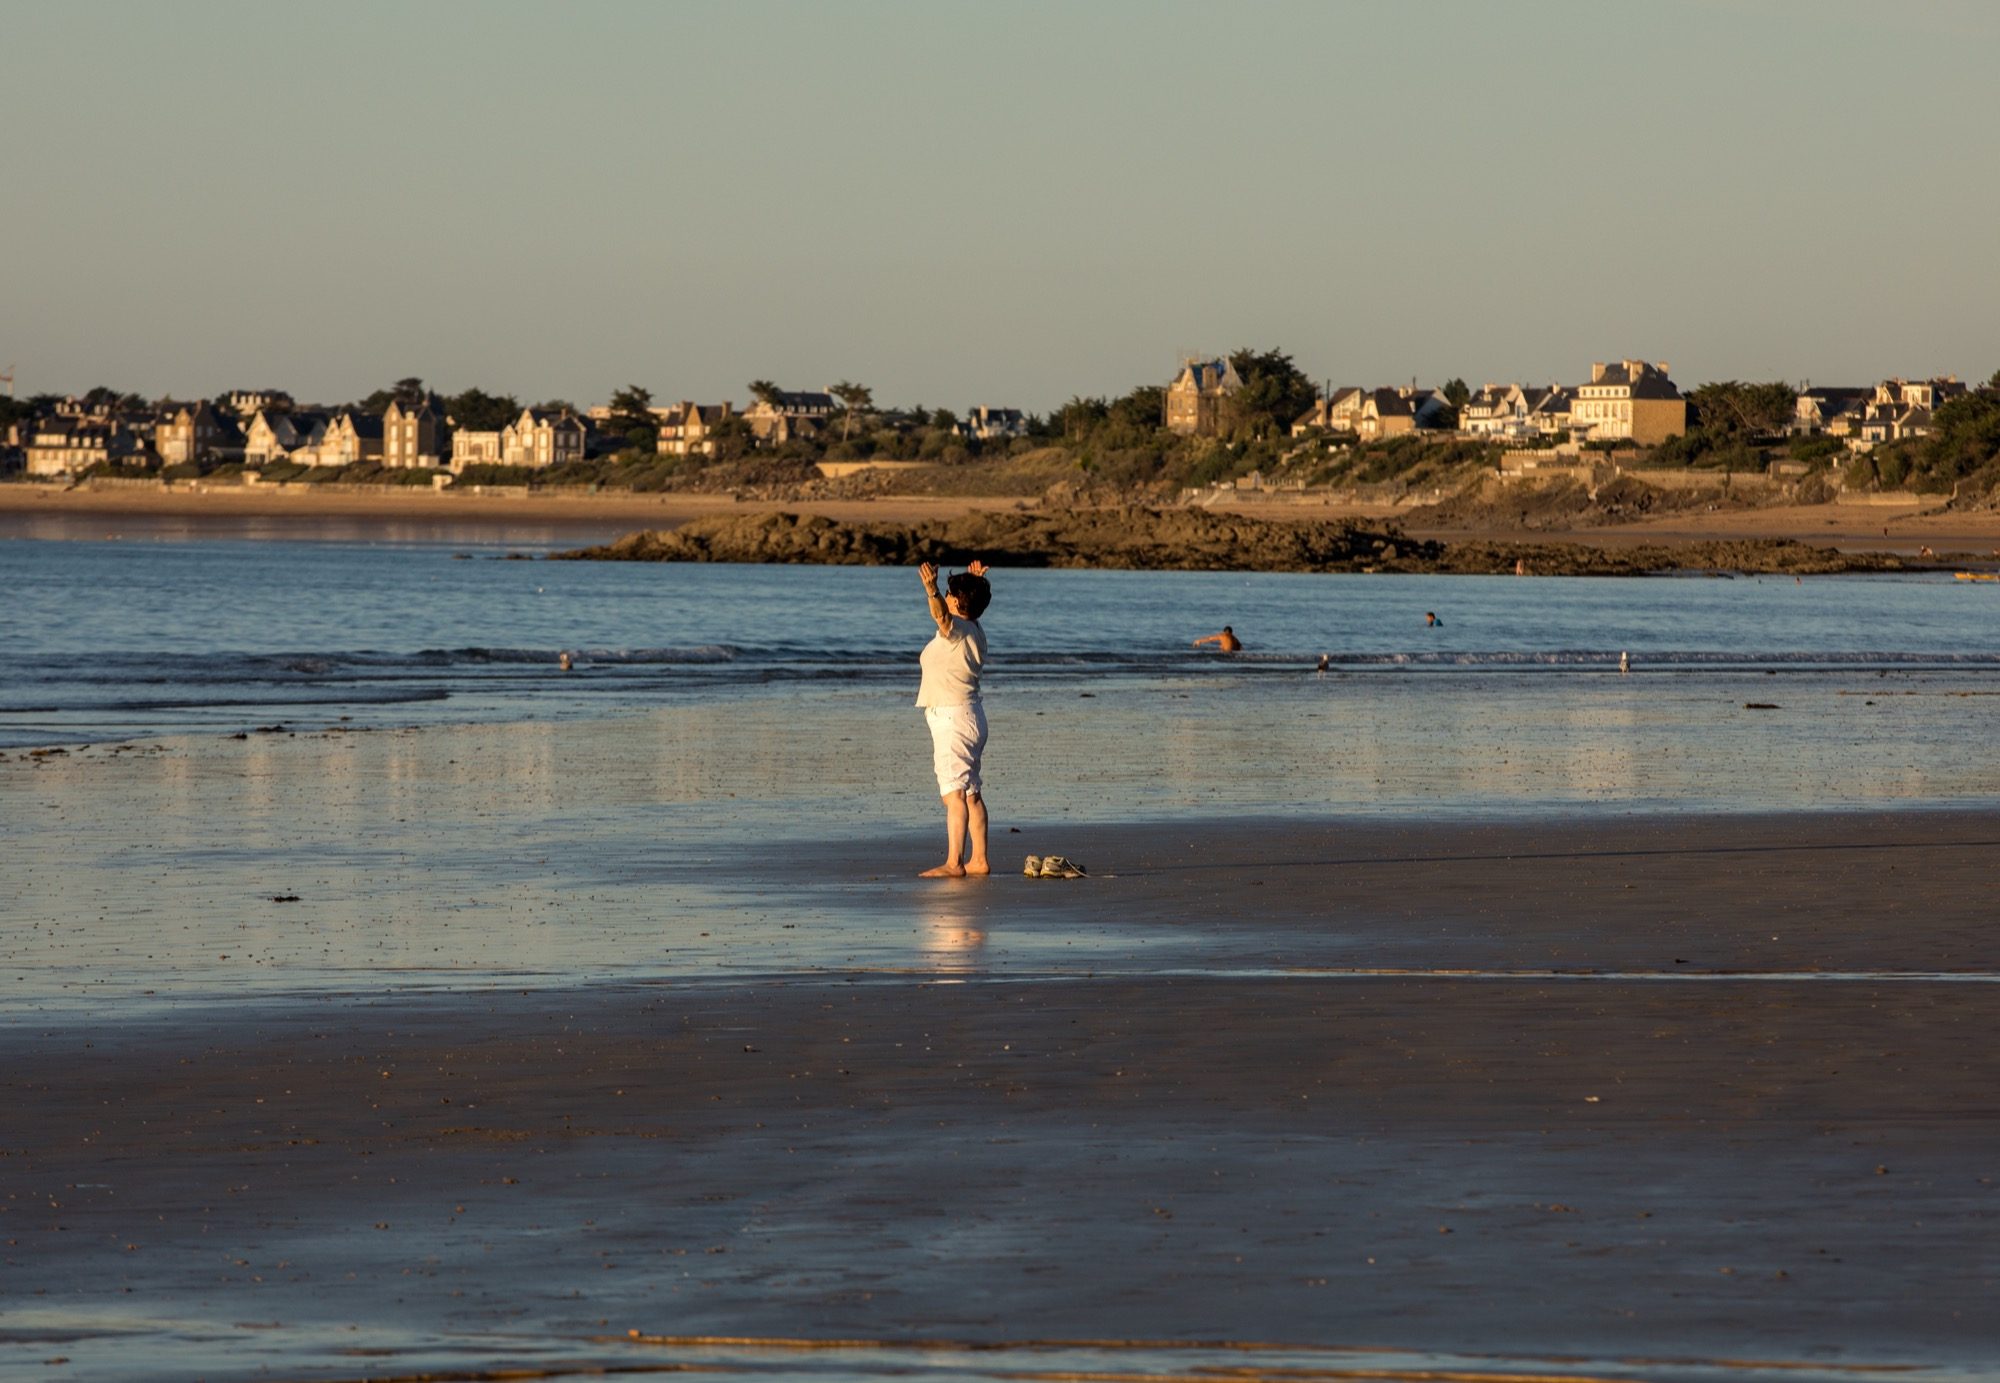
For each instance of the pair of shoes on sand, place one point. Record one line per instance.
(1051, 867)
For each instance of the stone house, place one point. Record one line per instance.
(543, 437)
(474, 448)
(686, 428)
(194, 432)
(1385, 413)
(59, 446)
(1196, 397)
(413, 435)
(1632, 400)
(789, 416)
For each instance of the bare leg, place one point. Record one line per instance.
(954, 827)
(975, 824)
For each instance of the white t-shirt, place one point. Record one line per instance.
(951, 665)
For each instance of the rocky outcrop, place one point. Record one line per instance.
(1135, 539)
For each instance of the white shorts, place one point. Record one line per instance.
(958, 737)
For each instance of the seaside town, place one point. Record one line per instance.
(1247, 421)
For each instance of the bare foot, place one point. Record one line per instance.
(943, 871)
(978, 867)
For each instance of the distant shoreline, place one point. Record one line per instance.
(1145, 539)
(555, 517)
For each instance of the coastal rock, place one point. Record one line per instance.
(1139, 539)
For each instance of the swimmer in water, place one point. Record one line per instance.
(1431, 621)
(1226, 641)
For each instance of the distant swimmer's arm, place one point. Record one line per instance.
(940, 616)
(1212, 638)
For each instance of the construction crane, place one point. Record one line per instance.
(7, 378)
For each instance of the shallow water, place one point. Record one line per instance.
(629, 819)
(114, 640)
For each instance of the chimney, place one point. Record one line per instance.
(1596, 371)
(1661, 366)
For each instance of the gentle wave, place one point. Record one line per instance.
(143, 667)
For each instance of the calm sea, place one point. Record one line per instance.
(783, 693)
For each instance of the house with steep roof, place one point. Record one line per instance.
(1891, 422)
(1830, 411)
(1336, 411)
(1906, 408)
(789, 415)
(1549, 410)
(1396, 412)
(194, 432)
(1932, 393)
(1629, 401)
(1197, 395)
(414, 434)
(686, 428)
(61, 446)
(543, 437)
(1495, 410)
(274, 436)
(1515, 412)
(348, 439)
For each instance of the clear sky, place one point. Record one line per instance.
(1007, 203)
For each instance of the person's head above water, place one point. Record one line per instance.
(1227, 630)
(970, 592)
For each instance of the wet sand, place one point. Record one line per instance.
(1597, 1097)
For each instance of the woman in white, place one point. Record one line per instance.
(949, 699)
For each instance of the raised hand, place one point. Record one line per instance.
(928, 571)
(978, 568)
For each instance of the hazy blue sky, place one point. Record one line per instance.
(1003, 204)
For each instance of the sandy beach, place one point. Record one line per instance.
(549, 517)
(324, 511)
(1570, 1095)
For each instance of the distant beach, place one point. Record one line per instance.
(554, 517)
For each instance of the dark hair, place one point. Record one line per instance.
(1227, 630)
(973, 592)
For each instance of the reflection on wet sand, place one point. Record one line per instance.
(952, 938)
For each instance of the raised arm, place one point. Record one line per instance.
(939, 615)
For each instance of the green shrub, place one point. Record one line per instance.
(1816, 448)
(495, 474)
